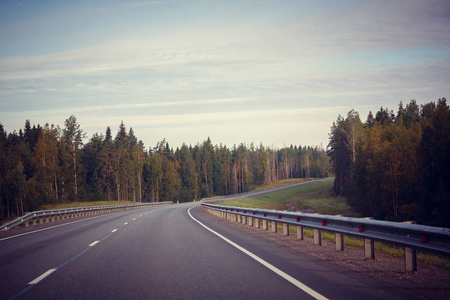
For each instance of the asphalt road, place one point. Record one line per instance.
(163, 253)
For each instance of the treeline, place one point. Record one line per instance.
(46, 164)
(395, 166)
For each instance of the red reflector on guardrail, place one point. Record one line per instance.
(253, 212)
(245, 211)
(265, 215)
(423, 239)
(279, 216)
(324, 223)
(361, 229)
(298, 219)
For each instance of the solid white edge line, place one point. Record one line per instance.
(35, 281)
(125, 223)
(114, 230)
(289, 278)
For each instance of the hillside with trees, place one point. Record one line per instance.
(47, 164)
(395, 166)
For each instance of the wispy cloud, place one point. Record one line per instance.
(150, 3)
(261, 71)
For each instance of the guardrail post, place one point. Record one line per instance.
(274, 226)
(410, 255)
(244, 220)
(339, 242)
(339, 239)
(264, 224)
(410, 260)
(27, 224)
(250, 221)
(369, 249)
(256, 223)
(299, 232)
(369, 246)
(239, 218)
(285, 229)
(34, 221)
(317, 237)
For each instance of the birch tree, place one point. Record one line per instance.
(73, 138)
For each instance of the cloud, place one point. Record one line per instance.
(354, 26)
(260, 73)
(151, 3)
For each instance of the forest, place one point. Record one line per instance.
(47, 164)
(395, 166)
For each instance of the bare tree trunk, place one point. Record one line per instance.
(56, 188)
(242, 177)
(118, 186)
(21, 205)
(75, 171)
(139, 177)
(7, 207)
(157, 190)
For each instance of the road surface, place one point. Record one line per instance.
(172, 252)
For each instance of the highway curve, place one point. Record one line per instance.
(172, 252)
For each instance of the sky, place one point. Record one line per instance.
(272, 72)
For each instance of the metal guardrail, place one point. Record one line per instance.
(411, 236)
(56, 214)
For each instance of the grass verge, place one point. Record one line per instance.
(315, 197)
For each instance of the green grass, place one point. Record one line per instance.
(283, 183)
(312, 198)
